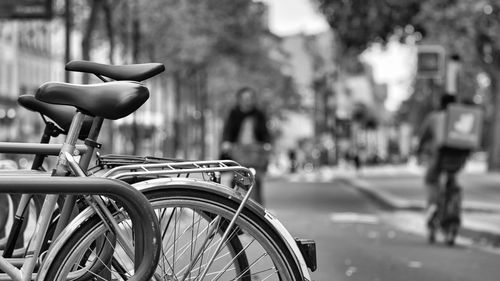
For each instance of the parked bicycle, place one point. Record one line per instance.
(134, 214)
(200, 218)
(446, 218)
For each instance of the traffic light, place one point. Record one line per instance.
(430, 61)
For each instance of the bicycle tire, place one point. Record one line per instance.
(249, 226)
(261, 244)
(235, 247)
(91, 232)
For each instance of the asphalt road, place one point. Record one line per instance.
(477, 189)
(356, 240)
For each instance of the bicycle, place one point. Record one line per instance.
(239, 216)
(299, 248)
(62, 116)
(140, 216)
(446, 217)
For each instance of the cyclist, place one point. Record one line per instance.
(440, 161)
(245, 130)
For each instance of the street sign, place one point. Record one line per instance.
(430, 61)
(26, 9)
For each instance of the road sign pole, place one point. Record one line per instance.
(69, 26)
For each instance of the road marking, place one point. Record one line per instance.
(415, 264)
(350, 271)
(354, 218)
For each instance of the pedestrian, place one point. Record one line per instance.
(356, 159)
(292, 157)
(246, 137)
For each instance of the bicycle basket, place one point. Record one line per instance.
(252, 156)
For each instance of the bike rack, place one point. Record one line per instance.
(142, 216)
(36, 148)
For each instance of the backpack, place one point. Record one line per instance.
(458, 133)
(459, 127)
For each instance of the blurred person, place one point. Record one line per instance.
(246, 137)
(292, 157)
(440, 161)
(354, 156)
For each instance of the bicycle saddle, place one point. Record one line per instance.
(62, 115)
(133, 72)
(113, 100)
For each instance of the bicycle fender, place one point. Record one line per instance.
(292, 244)
(198, 184)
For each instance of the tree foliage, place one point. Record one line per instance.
(358, 23)
(193, 32)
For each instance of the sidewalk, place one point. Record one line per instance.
(400, 189)
(481, 205)
(480, 220)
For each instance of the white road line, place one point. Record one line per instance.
(354, 218)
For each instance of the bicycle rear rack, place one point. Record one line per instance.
(212, 169)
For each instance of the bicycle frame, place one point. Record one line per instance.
(41, 150)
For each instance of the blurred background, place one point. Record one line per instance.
(346, 85)
(336, 77)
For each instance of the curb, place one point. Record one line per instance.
(476, 232)
(383, 199)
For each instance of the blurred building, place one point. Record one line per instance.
(28, 59)
(360, 102)
(313, 69)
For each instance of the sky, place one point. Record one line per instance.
(295, 16)
(401, 60)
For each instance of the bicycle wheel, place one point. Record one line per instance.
(192, 225)
(189, 246)
(20, 231)
(93, 253)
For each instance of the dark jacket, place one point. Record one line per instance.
(236, 117)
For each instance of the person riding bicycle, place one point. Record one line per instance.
(246, 127)
(440, 160)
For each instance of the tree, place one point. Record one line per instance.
(357, 23)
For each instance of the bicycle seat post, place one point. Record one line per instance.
(91, 142)
(70, 200)
(69, 144)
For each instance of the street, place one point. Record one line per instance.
(357, 239)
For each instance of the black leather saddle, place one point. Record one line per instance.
(132, 72)
(60, 114)
(113, 100)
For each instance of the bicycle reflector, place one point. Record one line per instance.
(308, 250)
